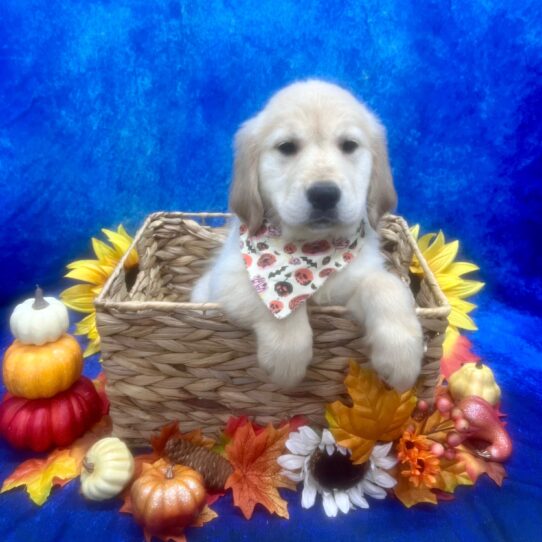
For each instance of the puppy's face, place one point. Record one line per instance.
(315, 163)
(309, 159)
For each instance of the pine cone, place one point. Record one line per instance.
(212, 466)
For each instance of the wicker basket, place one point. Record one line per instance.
(168, 359)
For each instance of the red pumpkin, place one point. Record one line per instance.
(40, 424)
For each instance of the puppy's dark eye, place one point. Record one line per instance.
(288, 148)
(348, 146)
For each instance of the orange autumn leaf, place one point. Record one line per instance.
(436, 426)
(198, 438)
(257, 475)
(171, 430)
(235, 422)
(40, 475)
(377, 414)
(159, 441)
(57, 469)
(476, 466)
(453, 473)
(410, 495)
(206, 516)
(139, 460)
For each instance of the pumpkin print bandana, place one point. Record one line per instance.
(286, 274)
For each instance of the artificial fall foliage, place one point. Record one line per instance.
(464, 469)
(475, 466)
(57, 469)
(236, 422)
(409, 494)
(257, 475)
(460, 352)
(452, 474)
(40, 475)
(171, 430)
(377, 413)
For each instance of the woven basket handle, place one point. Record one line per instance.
(395, 247)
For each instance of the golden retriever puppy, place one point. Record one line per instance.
(311, 173)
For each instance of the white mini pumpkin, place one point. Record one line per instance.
(107, 469)
(39, 320)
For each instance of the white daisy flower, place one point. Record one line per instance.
(325, 468)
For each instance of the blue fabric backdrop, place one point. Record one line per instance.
(111, 110)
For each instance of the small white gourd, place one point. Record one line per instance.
(39, 320)
(107, 469)
(474, 379)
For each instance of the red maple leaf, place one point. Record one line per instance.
(460, 353)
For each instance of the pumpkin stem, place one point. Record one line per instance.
(479, 364)
(169, 472)
(88, 466)
(39, 300)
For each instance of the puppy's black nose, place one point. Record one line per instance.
(324, 195)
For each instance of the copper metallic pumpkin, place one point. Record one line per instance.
(167, 498)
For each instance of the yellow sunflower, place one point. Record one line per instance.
(94, 274)
(449, 274)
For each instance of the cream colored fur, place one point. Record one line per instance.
(317, 116)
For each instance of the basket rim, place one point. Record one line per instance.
(101, 302)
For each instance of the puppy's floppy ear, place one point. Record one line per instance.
(245, 199)
(381, 196)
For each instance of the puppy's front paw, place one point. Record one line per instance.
(396, 354)
(201, 292)
(285, 357)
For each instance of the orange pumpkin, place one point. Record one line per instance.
(39, 372)
(167, 498)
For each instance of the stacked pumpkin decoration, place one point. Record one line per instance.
(49, 403)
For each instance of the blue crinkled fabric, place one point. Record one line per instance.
(112, 110)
